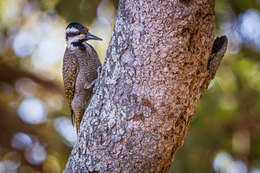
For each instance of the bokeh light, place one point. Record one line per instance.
(221, 162)
(35, 154)
(250, 27)
(32, 111)
(24, 44)
(2, 167)
(51, 47)
(237, 167)
(21, 141)
(255, 170)
(64, 126)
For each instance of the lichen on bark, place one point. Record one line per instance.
(159, 62)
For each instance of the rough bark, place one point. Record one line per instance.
(160, 60)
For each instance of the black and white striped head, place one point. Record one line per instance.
(76, 34)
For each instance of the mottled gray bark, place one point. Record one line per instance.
(159, 62)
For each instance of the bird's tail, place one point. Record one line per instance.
(77, 117)
(72, 116)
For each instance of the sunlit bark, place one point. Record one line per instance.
(160, 61)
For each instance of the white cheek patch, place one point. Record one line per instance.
(69, 30)
(74, 39)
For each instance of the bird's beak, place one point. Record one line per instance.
(92, 37)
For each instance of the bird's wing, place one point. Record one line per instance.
(69, 72)
(94, 64)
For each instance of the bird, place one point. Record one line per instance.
(81, 67)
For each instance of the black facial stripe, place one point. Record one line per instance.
(72, 34)
(79, 44)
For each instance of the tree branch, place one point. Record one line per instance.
(217, 53)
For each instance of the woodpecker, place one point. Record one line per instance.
(80, 70)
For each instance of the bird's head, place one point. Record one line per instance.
(77, 33)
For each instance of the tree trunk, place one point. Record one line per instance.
(160, 60)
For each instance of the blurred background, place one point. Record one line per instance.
(36, 132)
